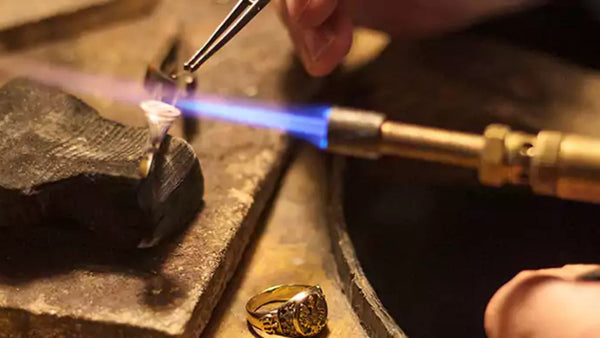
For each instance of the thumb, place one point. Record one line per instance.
(561, 302)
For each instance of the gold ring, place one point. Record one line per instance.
(302, 314)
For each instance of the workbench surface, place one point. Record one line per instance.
(171, 290)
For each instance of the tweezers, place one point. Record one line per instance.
(243, 12)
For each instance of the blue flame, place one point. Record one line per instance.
(307, 122)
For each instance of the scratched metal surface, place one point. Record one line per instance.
(170, 291)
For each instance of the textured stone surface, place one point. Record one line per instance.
(63, 163)
(65, 288)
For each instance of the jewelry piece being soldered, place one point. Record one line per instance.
(160, 117)
(302, 314)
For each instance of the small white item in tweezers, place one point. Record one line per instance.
(160, 117)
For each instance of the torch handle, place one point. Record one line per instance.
(551, 163)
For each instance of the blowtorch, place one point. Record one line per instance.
(551, 163)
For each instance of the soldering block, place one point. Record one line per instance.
(62, 165)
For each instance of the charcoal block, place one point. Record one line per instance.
(59, 160)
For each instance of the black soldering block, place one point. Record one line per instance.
(59, 160)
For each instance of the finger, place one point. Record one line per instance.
(320, 48)
(295, 33)
(545, 303)
(310, 13)
(327, 45)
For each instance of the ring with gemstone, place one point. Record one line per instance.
(302, 311)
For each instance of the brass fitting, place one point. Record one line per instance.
(505, 156)
(551, 163)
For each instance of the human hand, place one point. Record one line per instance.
(322, 29)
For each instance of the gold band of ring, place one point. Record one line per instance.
(302, 314)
